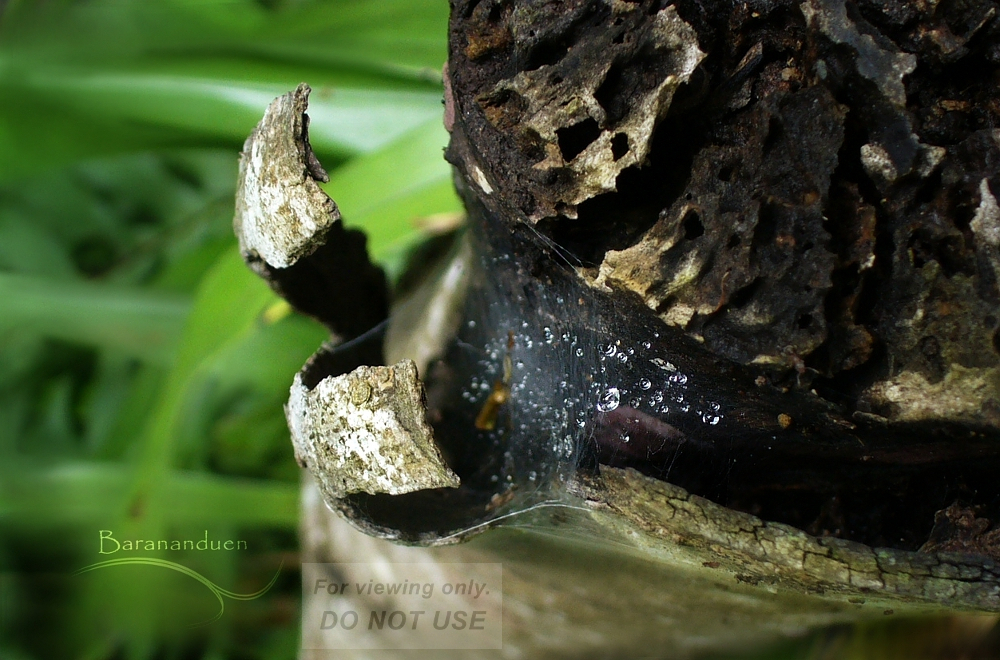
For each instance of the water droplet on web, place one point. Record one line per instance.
(607, 349)
(710, 419)
(622, 357)
(644, 384)
(579, 352)
(678, 378)
(646, 345)
(609, 400)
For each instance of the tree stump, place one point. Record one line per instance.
(716, 360)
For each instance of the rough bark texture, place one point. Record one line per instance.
(816, 200)
(722, 331)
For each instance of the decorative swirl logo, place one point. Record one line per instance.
(219, 592)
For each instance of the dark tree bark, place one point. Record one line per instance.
(725, 316)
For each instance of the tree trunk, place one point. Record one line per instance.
(715, 361)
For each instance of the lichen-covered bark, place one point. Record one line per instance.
(365, 432)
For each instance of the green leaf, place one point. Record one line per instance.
(134, 322)
(102, 77)
(85, 495)
(386, 191)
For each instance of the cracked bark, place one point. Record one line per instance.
(780, 219)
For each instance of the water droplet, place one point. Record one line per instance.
(532, 475)
(710, 419)
(519, 364)
(548, 335)
(579, 352)
(471, 324)
(609, 400)
(635, 402)
(494, 478)
(622, 357)
(631, 351)
(678, 378)
(656, 397)
(665, 410)
(646, 345)
(562, 384)
(714, 406)
(607, 349)
(626, 437)
(644, 384)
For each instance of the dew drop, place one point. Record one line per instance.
(607, 349)
(626, 437)
(579, 352)
(644, 384)
(609, 400)
(635, 402)
(646, 345)
(678, 378)
(622, 357)
(548, 335)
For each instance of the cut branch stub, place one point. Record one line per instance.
(280, 209)
(290, 231)
(365, 432)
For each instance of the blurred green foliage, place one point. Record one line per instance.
(143, 368)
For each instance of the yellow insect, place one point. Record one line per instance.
(486, 420)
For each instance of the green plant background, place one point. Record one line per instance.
(143, 368)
